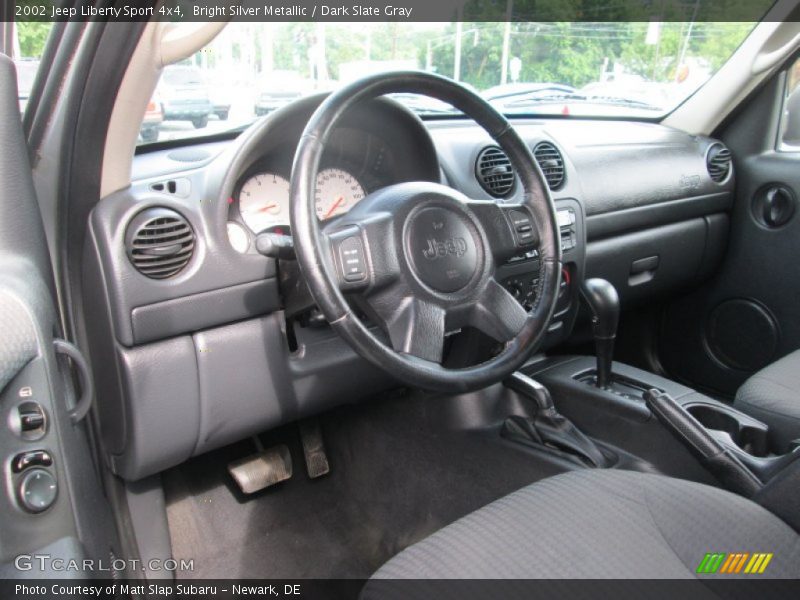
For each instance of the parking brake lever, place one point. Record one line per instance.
(714, 456)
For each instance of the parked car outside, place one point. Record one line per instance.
(185, 95)
(153, 117)
(221, 102)
(280, 88)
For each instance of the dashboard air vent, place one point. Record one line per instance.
(551, 163)
(494, 171)
(159, 242)
(718, 162)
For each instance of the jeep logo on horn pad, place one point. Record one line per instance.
(441, 248)
(455, 246)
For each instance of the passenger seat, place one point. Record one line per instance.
(773, 396)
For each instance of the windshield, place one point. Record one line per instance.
(610, 69)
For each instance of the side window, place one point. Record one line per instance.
(789, 140)
(28, 44)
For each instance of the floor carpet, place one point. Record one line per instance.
(397, 475)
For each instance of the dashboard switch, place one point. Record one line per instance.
(33, 458)
(38, 490)
(352, 260)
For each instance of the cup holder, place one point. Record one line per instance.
(747, 433)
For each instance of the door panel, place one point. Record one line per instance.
(52, 498)
(749, 315)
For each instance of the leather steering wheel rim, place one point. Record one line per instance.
(317, 251)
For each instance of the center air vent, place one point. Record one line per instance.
(718, 162)
(159, 242)
(551, 163)
(494, 172)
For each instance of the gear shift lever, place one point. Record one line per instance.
(602, 298)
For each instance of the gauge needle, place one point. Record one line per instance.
(267, 207)
(333, 208)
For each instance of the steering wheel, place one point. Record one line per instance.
(420, 257)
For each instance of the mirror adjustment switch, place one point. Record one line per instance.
(33, 458)
(37, 490)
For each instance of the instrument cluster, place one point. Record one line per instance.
(260, 202)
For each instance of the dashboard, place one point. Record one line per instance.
(208, 346)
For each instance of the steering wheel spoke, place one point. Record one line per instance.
(415, 326)
(362, 254)
(498, 314)
(510, 228)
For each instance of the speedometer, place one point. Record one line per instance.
(264, 201)
(337, 192)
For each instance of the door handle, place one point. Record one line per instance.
(84, 403)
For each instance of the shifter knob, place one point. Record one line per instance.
(603, 300)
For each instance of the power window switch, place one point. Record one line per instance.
(31, 419)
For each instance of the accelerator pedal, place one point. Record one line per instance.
(314, 448)
(263, 469)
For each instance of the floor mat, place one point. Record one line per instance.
(397, 475)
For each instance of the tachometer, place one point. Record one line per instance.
(264, 201)
(337, 192)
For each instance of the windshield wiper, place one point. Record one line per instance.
(578, 98)
(545, 99)
(616, 101)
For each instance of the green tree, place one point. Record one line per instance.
(32, 37)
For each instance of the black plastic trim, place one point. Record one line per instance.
(604, 225)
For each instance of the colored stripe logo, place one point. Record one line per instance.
(735, 563)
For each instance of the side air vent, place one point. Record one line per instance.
(159, 242)
(551, 163)
(718, 162)
(494, 172)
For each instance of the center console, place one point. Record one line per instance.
(677, 430)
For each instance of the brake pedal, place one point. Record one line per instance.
(263, 469)
(314, 448)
